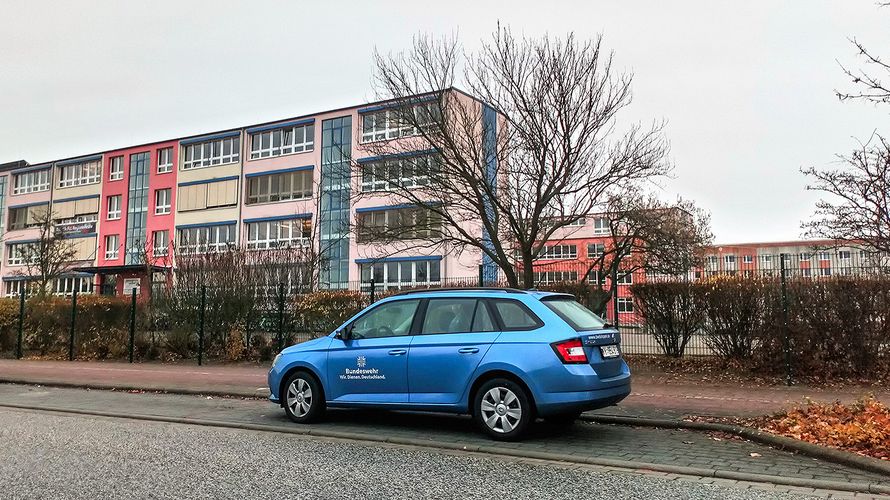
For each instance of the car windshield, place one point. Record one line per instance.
(579, 317)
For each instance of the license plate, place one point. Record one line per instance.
(610, 351)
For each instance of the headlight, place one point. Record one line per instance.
(275, 361)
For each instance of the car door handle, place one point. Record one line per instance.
(468, 350)
(397, 352)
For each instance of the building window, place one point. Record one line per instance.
(14, 288)
(843, 255)
(766, 261)
(78, 219)
(803, 256)
(205, 239)
(160, 243)
(278, 234)
(824, 257)
(19, 254)
(116, 168)
(282, 141)
(595, 250)
(31, 182)
(112, 247)
(577, 222)
(556, 252)
(401, 273)
(401, 223)
(625, 279)
(165, 160)
(384, 175)
(162, 201)
(65, 286)
(214, 152)
(548, 277)
(219, 193)
(625, 305)
(748, 259)
(394, 123)
(114, 207)
(729, 260)
(712, 261)
(825, 271)
(601, 226)
(25, 217)
(279, 187)
(79, 174)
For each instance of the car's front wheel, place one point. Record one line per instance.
(502, 409)
(303, 398)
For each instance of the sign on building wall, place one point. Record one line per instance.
(131, 284)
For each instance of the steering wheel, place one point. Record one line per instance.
(384, 331)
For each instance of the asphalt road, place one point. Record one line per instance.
(46, 455)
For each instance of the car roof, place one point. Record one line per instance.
(488, 292)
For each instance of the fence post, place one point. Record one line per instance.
(18, 339)
(615, 296)
(201, 325)
(247, 331)
(73, 322)
(132, 323)
(481, 276)
(786, 333)
(280, 317)
(372, 286)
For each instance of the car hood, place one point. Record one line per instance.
(309, 345)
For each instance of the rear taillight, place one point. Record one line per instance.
(570, 351)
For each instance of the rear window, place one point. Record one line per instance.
(579, 317)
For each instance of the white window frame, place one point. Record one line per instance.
(383, 124)
(300, 182)
(626, 278)
(212, 153)
(14, 254)
(64, 286)
(825, 272)
(80, 174)
(116, 168)
(601, 226)
(748, 259)
(31, 182)
(389, 219)
(164, 249)
(277, 234)
(397, 274)
(844, 255)
(112, 246)
(599, 249)
(207, 239)
(550, 277)
(165, 160)
(389, 174)
(163, 209)
(114, 214)
(824, 257)
(625, 305)
(282, 141)
(559, 252)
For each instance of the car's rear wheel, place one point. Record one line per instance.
(303, 398)
(502, 409)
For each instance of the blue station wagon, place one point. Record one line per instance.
(505, 356)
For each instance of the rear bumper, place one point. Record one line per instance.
(568, 402)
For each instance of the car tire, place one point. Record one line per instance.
(563, 419)
(502, 409)
(302, 398)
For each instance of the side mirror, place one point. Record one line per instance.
(345, 333)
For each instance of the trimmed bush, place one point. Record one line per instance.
(735, 312)
(672, 312)
(319, 313)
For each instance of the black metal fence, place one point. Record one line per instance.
(208, 324)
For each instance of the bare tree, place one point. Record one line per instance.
(650, 235)
(869, 81)
(858, 207)
(49, 257)
(535, 149)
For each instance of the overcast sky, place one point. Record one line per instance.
(746, 87)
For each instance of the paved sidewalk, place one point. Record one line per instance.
(650, 397)
(583, 440)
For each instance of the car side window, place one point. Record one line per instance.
(516, 316)
(457, 316)
(482, 320)
(392, 319)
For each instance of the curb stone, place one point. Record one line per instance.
(490, 450)
(781, 442)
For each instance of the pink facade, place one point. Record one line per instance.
(13, 201)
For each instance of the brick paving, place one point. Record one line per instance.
(657, 446)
